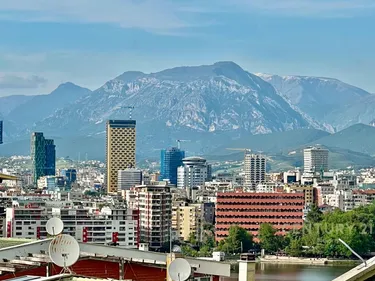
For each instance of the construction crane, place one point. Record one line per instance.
(245, 150)
(130, 110)
(179, 143)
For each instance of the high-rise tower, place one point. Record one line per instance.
(170, 160)
(43, 156)
(255, 170)
(1, 132)
(120, 150)
(315, 159)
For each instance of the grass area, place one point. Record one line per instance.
(9, 242)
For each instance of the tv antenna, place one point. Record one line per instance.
(54, 226)
(64, 252)
(179, 270)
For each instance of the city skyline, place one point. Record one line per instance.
(45, 45)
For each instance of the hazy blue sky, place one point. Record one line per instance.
(46, 42)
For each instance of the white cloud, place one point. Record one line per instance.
(151, 15)
(323, 8)
(12, 81)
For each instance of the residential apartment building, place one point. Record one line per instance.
(315, 159)
(308, 191)
(187, 219)
(120, 150)
(86, 225)
(255, 170)
(249, 210)
(154, 202)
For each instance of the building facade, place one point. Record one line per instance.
(315, 159)
(170, 160)
(70, 175)
(87, 226)
(255, 170)
(187, 220)
(194, 172)
(1, 131)
(310, 193)
(43, 156)
(129, 178)
(249, 210)
(154, 203)
(120, 150)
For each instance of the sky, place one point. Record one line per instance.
(44, 43)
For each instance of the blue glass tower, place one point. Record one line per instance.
(1, 132)
(170, 160)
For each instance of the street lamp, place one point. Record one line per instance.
(351, 250)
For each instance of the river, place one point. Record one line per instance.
(292, 272)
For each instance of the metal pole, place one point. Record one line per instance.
(170, 240)
(351, 250)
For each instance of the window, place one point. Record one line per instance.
(18, 228)
(19, 233)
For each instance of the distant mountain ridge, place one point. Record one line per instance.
(211, 105)
(321, 98)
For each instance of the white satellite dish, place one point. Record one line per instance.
(64, 251)
(54, 226)
(179, 270)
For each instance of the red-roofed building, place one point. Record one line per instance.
(249, 210)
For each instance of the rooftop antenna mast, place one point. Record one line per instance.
(130, 111)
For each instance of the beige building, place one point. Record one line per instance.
(308, 191)
(120, 150)
(187, 219)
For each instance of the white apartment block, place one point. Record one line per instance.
(315, 159)
(84, 224)
(255, 170)
(194, 172)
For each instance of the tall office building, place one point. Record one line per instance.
(315, 159)
(129, 178)
(43, 156)
(194, 172)
(255, 170)
(171, 159)
(1, 132)
(120, 150)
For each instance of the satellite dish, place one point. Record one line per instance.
(64, 250)
(179, 270)
(54, 226)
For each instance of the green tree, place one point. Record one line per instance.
(315, 215)
(294, 248)
(269, 241)
(188, 251)
(192, 239)
(238, 239)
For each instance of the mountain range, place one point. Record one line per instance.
(211, 105)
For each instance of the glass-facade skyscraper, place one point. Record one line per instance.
(1, 132)
(43, 156)
(170, 160)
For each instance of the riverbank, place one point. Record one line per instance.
(293, 260)
(316, 261)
